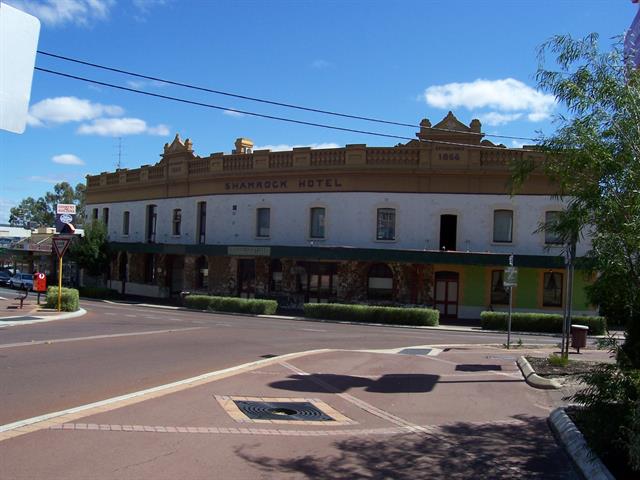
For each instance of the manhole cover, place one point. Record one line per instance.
(415, 351)
(281, 411)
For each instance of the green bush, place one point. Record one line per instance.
(231, 304)
(70, 301)
(99, 292)
(539, 322)
(372, 314)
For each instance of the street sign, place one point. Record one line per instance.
(39, 282)
(510, 277)
(60, 245)
(68, 208)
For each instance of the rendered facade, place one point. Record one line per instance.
(430, 222)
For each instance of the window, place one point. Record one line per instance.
(380, 282)
(276, 276)
(503, 226)
(150, 268)
(202, 221)
(95, 214)
(105, 216)
(202, 273)
(499, 294)
(263, 222)
(316, 229)
(551, 237)
(125, 223)
(386, 224)
(152, 218)
(177, 221)
(552, 290)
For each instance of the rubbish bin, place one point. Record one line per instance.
(579, 336)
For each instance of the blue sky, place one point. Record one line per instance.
(399, 60)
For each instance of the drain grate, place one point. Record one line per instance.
(415, 351)
(302, 411)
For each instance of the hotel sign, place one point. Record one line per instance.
(249, 251)
(279, 184)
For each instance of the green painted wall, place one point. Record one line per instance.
(526, 295)
(580, 300)
(474, 279)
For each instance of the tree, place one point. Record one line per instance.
(92, 250)
(594, 157)
(31, 213)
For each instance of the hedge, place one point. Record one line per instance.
(231, 304)
(70, 299)
(99, 292)
(372, 314)
(539, 322)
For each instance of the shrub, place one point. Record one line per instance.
(372, 314)
(539, 322)
(98, 292)
(70, 301)
(231, 304)
(558, 360)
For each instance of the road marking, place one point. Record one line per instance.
(132, 316)
(47, 420)
(310, 330)
(95, 337)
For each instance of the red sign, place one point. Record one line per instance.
(39, 282)
(60, 245)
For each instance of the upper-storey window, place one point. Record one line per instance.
(263, 222)
(105, 216)
(202, 221)
(551, 237)
(386, 224)
(152, 218)
(94, 214)
(125, 223)
(503, 226)
(177, 221)
(317, 220)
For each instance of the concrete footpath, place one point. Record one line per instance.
(31, 312)
(418, 412)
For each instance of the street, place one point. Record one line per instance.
(398, 403)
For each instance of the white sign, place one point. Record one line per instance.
(510, 277)
(19, 33)
(66, 208)
(249, 251)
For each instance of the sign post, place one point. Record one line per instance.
(60, 245)
(510, 280)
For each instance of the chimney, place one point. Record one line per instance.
(243, 145)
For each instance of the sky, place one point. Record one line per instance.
(401, 61)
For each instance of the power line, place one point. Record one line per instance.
(255, 114)
(262, 100)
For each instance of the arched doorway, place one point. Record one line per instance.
(446, 294)
(380, 282)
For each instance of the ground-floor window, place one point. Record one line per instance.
(380, 282)
(246, 277)
(499, 294)
(202, 273)
(552, 289)
(149, 268)
(276, 276)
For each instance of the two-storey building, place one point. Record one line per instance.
(428, 222)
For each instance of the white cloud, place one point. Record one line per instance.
(497, 118)
(60, 12)
(506, 96)
(282, 146)
(68, 109)
(114, 127)
(67, 159)
(320, 64)
(140, 84)
(232, 113)
(516, 144)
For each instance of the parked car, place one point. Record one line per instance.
(22, 280)
(4, 277)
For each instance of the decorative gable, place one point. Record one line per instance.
(450, 129)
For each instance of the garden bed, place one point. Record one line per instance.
(545, 368)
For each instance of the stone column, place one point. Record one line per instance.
(189, 273)
(352, 281)
(262, 275)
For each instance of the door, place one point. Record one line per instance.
(448, 232)
(446, 297)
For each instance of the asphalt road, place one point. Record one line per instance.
(116, 349)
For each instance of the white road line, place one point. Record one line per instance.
(131, 316)
(310, 330)
(96, 337)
